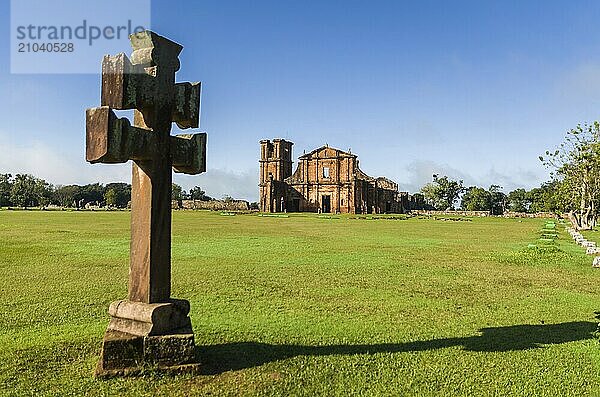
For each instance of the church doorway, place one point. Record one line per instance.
(295, 205)
(326, 204)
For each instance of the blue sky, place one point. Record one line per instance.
(471, 89)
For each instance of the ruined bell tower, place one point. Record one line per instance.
(275, 160)
(275, 165)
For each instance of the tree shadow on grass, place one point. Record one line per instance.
(235, 356)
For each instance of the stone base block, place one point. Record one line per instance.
(148, 319)
(129, 355)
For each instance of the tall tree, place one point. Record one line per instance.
(497, 200)
(44, 192)
(176, 192)
(576, 164)
(5, 188)
(492, 200)
(476, 199)
(110, 197)
(67, 196)
(443, 192)
(23, 191)
(549, 197)
(518, 200)
(122, 193)
(92, 193)
(196, 193)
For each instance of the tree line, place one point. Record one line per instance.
(25, 191)
(445, 193)
(573, 188)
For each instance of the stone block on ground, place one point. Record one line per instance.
(129, 355)
(592, 251)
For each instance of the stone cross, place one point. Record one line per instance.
(146, 84)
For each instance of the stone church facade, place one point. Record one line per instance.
(326, 180)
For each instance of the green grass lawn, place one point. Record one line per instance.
(309, 306)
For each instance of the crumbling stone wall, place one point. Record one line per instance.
(507, 214)
(458, 212)
(213, 205)
(511, 214)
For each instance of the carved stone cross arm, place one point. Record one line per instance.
(128, 86)
(114, 140)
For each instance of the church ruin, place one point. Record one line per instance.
(327, 180)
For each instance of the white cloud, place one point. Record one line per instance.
(219, 182)
(54, 164)
(62, 166)
(520, 178)
(420, 172)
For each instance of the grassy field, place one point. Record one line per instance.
(309, 306)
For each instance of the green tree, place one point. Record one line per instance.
(23, 191)
(443, 192)
(92, 193)
(518, 200)
(196, 193)
(497, 200)
(176, 192)
(67, 196)
(476, 199)
(492, 200)
(44, 192)
(122, 193)
(5, 188)
(549, 197)
(110, 197)
(576, 165)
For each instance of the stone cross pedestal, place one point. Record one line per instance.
(149, 328)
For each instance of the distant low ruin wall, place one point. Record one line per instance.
(213, 205)
(529, 215)
(485, 213)
(458, 213)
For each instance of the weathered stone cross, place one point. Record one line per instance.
(149, 324)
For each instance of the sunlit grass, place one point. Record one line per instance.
(309, 306)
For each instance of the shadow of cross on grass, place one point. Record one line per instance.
(241, 355)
